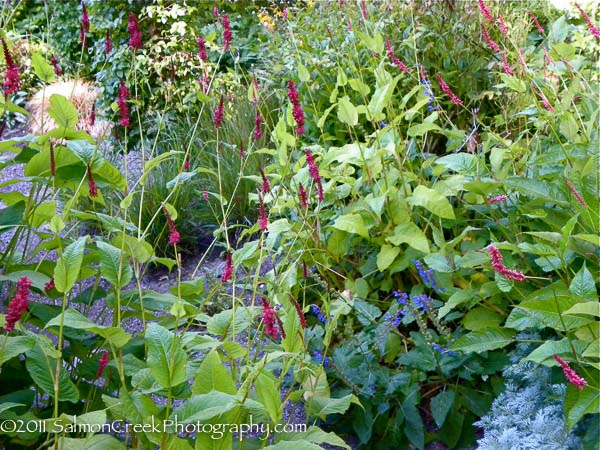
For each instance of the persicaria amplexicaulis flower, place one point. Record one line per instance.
(485, 11)
(228, 271)
(500, 268)
(202, 49)
(18, 305)
(570, 373)
(57, 70)
(268, 318)
(49, 285)
(263, 220)
(11, 74)
(395, 60)
(497, 199)
(302, 196)
(576, 194)
(92, 120)
(545, 102)
(594, 31)
(297, 110)
(489, 40)
(446, 89)
(313, 172)
(219, 114)
(264, 187)
(363, 8)
(227, 36)
(186, 163)
(107, 43)
(522, 58)
(537, 24)
(216, 11)
(505, 65)
(502, 25)
(173, 233)
(303, 323)
(258, 120)
(93, 189)
(547, 57)
(85, 19)
(122, 97)
(135, 35)
(52, 160)
(102, 363)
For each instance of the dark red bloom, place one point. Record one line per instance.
(570, 373)
(122, 97)
(102, 363)
(11, 81)
(263, 220)
(594, 31)
(313, 172)
(301, 316)
(227, 36)
(202, 49)
(268, 318)
(85, 19)
(93, 115)
(576, 194)
(297, 110)
(57, 70)
(52, 160)
(219, 114)
(393, 58)
(264, 187)
(91, 183)
(228, 272)
(242, 150)
(258, 120)
(446, 89)
(485, 11)
(108, 43)
(537, 24)
(499, 266)
(18, 305)
(49, 285)
(135, 35)
(302, 196)
(216, 11)
(186, 163)
(489, 40)
(173, 233)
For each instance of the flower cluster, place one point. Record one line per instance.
(303, 323)
(297, 110)
(313, 172)
(122, 97)
(173, 233)
(57, 70)
(11, 82)
(49, 285)
(107, 43)
(505, 65)
(302, 196)
(499, 266)
(537, 24)
(258, 120)
(396, 319)
(102, 363)
(363, 9)
(427, 275)
(219, 114)
(442, 350)
(570, 373)
(428, 92)
(93, 189)
(545, 102)
(489, 40)
(265, 187)
(485, 11)
(228, 272)
(18, 305)
(135, 35)
(318, 355)
(263, 220)
(594, 31)
(269, 319)
(227, 36)
(446, 89)
(202, 49)
(394, 58)
(497, 199)
(317, 312)
(576, 194)
(502, 25)
(422, 302)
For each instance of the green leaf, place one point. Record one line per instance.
(583, 284)
(441, 405)
(200, 408)
(114, 265)
(352, 223)
(66, 271)
(74, 319)
(484, 340)
(93, 442)
(63, 111)
(322, 406)
(536, 188)
(433, 201)
(413, 425)
(11, 216)
(347, 112)
(464, 163)
(412, 235)
(314, 435)
(212, 376)
(42, 369)
(579, 403)
(166, 359)
(422, 128)
(12, 346)
(587, 308)
(545, 310)
(323, 118)
(513, 83)
(268, 394)
(293, 445)
(548, 349)
(481, 318)
(387, 255)
(303, 73)
(140, 250)
(381, 99)
(42, 69)
(360, 87)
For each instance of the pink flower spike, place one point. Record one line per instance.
(19, 304)
(500, 268)
(485, 11)
(502, 25)
(93, 189)
(537, 24)
(174, 235)
(258, 120)
(393, 58)
(446, 89)
(85, 19)
(57, 70)
(265, 187)
(297, 110)
(102, 363)
(570, 373)
(522, 58)
(227, 36)
(228, 272)
(489, 40)
(497, 199)
(202, 49)
(135, 35)
(363, 9)
(263, 220)
(268, 318)
(576, 194)
(108, 43)
(545, 102)
(216, 11)
(122, 97)
(302, 195)
(49, 285)
(11, 83)
(219, 114)
(505, 65)
(594, 31)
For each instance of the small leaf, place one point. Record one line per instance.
(303, 73)
(352, 223)
(42, 69)
(433, 201)
(583, 284)
(347, 112)
(441, 405)
(412, 235)
(66, 271)
(422, 128)
(387, 255)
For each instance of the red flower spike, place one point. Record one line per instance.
(93, 115)
(108, 43)
(497, 199)
(122, 97)
(52, 160)
(18, 305)
(263, 220)
(301, 316)
(135, 35)
(57, 70)
(535, 21)
(11, 74)
(297, 110)
(594, 31)
(216, 11)
(102, 363)
(576, 194)
(268, 318)
(505, 65)
(502, 25)
(489, 40)
(91, 183)
(265, 186)
(49, 285)
(393, 58)
(186, 163)
(302, 195)
(173, 233)
(228, 272)
(570, 373)
(258, 120)
(545, 102)
(500, 268)
(85, 19)
(227, 36)
(485, 11)
(446, 89)
(363, 9)
(219, 114)
(202, 49)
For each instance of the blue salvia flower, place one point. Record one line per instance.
(428, 276)
(319, 358)
(421, 301)
(402, 297)
(383, 124)
(442, 350)
(427, 87)
(317, 312)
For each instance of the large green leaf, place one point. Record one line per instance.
(581, 402)
(545, 352)
(441, 405)
(552, 313)
(212, 376)
(412, 235)
(63, 111)
(166, 359)
(433, 201)
(11, 216)
(422, 128)
(114, 265)
(92, 442)
(268, 394)
(464, 163)
(40, 163)
(586, 308)
(314, 435)
(386, 256)
(484, 340)
(536, 188)
(11, 346)
(583, 284)
(322, 406)
(347, 112)
(42, 69)
(66, 271)
(352, 223)
(42, 369)
(201, 408)
(381, 99)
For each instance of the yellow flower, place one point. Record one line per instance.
(266, 21)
